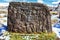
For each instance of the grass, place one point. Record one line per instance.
(42, 36)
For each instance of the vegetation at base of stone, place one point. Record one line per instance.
(28, 17)
(15, 37)
(47, 36)
(42, 36)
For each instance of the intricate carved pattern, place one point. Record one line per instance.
(28, 17)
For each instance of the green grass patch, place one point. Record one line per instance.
(41, 36)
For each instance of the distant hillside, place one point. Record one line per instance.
(3, 7)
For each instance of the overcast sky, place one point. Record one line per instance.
(47, 2)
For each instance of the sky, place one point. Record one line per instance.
(47, 2)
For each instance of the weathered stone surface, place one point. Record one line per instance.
(28, 17)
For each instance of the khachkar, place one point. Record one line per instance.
(28, 17)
